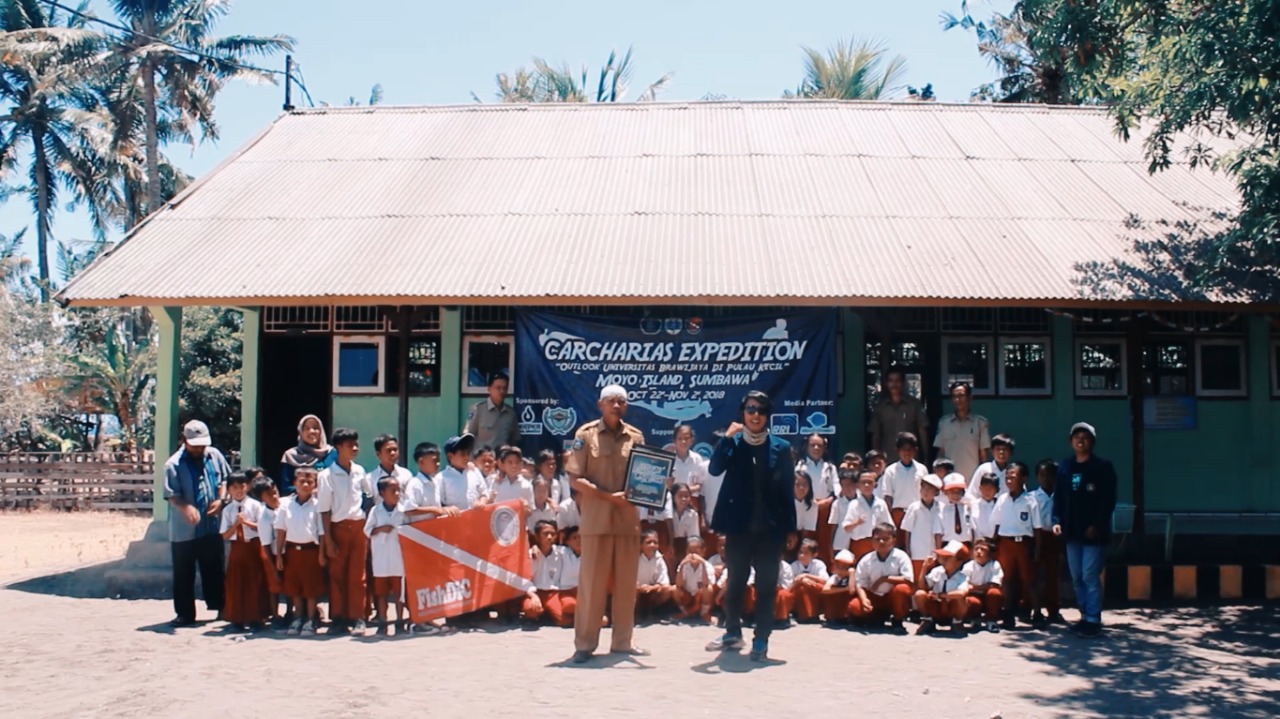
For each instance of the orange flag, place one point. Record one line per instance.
(460, 564)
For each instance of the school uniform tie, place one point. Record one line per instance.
(956, 507)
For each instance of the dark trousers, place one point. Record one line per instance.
(764, 553)
(207, 553)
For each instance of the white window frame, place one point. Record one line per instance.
(1240, 345)
(1124, 367)
(1047, 390)
(467, 339)
(381, 342)
(990, 342)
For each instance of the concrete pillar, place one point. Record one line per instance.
(251, 328)
(852, 431)
(451, 366)
(1261, 434)
(168, 380)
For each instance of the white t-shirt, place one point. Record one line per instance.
(871, 569)
(923, 523)
(806, 517)
(267, 529)
(902, 483)
(459, 488)
(384, 548)
(548, 512)
(506, 490)
(657, 515)
(877, 512)
(980, 574)
(1017, 517)
(939, 582)
(402, 475)
(690, 471)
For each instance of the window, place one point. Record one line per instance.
(1024, 366)
(424, 366)
(1166, 367)
(483, 355)
(907, 355)
(968, 359)
(1220, 368)
(358, 363)
(1100, 367)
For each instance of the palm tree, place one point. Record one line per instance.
(546, 83)
(175, 67)
(44, 63)
(114, 375)
(851, 70)
(1033, 68)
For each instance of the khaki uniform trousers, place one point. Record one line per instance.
(609, 564)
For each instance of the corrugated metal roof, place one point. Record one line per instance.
(802, 202)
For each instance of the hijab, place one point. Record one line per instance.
(306, 455)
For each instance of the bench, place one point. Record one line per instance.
(1251, 523)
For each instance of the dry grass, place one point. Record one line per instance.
(49, 541)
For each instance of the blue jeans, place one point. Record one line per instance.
(1087, 561)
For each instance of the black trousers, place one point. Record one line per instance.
(764, 553)
(206, 553)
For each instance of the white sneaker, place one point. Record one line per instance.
(358, 629)
(308, 630)
(295, 627)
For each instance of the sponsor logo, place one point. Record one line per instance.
(693, 325)
(454, 592)
(817, 424)
(673, 325)
(505, 526)
(559, 420)
(529, 424)
(784, 424)
(650, 325)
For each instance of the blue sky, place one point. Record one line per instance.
(431, 52)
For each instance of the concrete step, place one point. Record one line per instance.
(147, 553)
(157, 531)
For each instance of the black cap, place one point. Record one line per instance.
(461, 443)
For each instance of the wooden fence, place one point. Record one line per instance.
(77, 480)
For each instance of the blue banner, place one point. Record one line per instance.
(677, 370)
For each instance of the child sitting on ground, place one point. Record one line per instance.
(653, 583)
(549, 596)
(836, 592)
(695, 582)
(944, 597)
(985, 594)
(809, 578)
(882, 582)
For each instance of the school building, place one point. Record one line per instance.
(379, 255)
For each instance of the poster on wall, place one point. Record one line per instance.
(677, 370)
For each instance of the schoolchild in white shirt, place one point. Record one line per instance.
(809, 578)
(342, 490)
(387, 449)
(837, 592)
(1048, 551)
(882, 583)
(1017, 519)
(549, 596)
(299, 532)
(423, 489)
(567, 515)
(653, 582)
(922, 525)
(985, 507)
(507, 483)
(985, 579)
(944, 597)
(264, 490)
(382, 527)
(543, 508)
(902, 479)
(806, 506)
(695, 583)
(1001, 455)
(246, 584)
(840, 537)
(863, 514)
(462, 486)
(547, 466)
(685, 520)
(958, 521)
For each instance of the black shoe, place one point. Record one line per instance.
(182, 622)
(1076, 626)
(993, 627)
(759, 650)
(582, 656)
(1009, 623)
(926, 627)
(1057, 618)
(896, 627)
(1090, 630)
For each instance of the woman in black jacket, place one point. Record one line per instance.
(755, 512)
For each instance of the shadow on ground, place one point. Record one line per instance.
(1212, 662)
(98, 581)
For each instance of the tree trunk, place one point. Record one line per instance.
(44, 229)
(153, 140)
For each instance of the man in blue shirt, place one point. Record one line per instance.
(1084, 498)
(193, 482)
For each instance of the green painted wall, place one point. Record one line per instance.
(429, 420)
(169, 322)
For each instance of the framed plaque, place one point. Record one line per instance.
(646, 479)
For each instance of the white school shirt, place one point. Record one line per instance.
(385, 547)
(985, 517)
(922, 522)
(690, 471)
(460, 488)
(877, 512)
(267, 529)
(300, 522)
(1017, 517)
(826, 480)
(653, 571)
(903, 483)
(835, 518)
(806, 517)
(402, 475)
(550, 513)
(569, 515)
(694, 572)
(422, 491)
(711, 492)
(686, 524)
(724, 578)
(872, 569)
(658, 515)
(975, 482)
(968, 521)
(980, 574)
(572, 568)
(939, 582)
(717, 566)
(502, 489)
(548, 570)
(559, 487)
(1044, 501)
(785, 575)
(252, 510)
(962, 441)
(817, 568)
(342, 493)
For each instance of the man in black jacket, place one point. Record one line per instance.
(1084, 498)
(755, 511)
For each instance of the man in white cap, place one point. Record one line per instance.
(193, 483)
(1084, 498)
(610, 526)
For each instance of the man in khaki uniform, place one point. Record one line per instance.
(493, 421)
(610, 527)
(898, 412)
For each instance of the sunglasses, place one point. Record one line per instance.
(753, 409)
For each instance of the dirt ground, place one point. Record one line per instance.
(47, 541)
(63, 656)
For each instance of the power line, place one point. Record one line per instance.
(187, 50)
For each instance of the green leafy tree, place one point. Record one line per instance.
(45, 60)
(547, 83)
(851, 70)
(212, 347)
(114, 374)
(165, 79)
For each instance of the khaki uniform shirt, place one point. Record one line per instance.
(601, 457)
(889, 419)
(493, 426)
